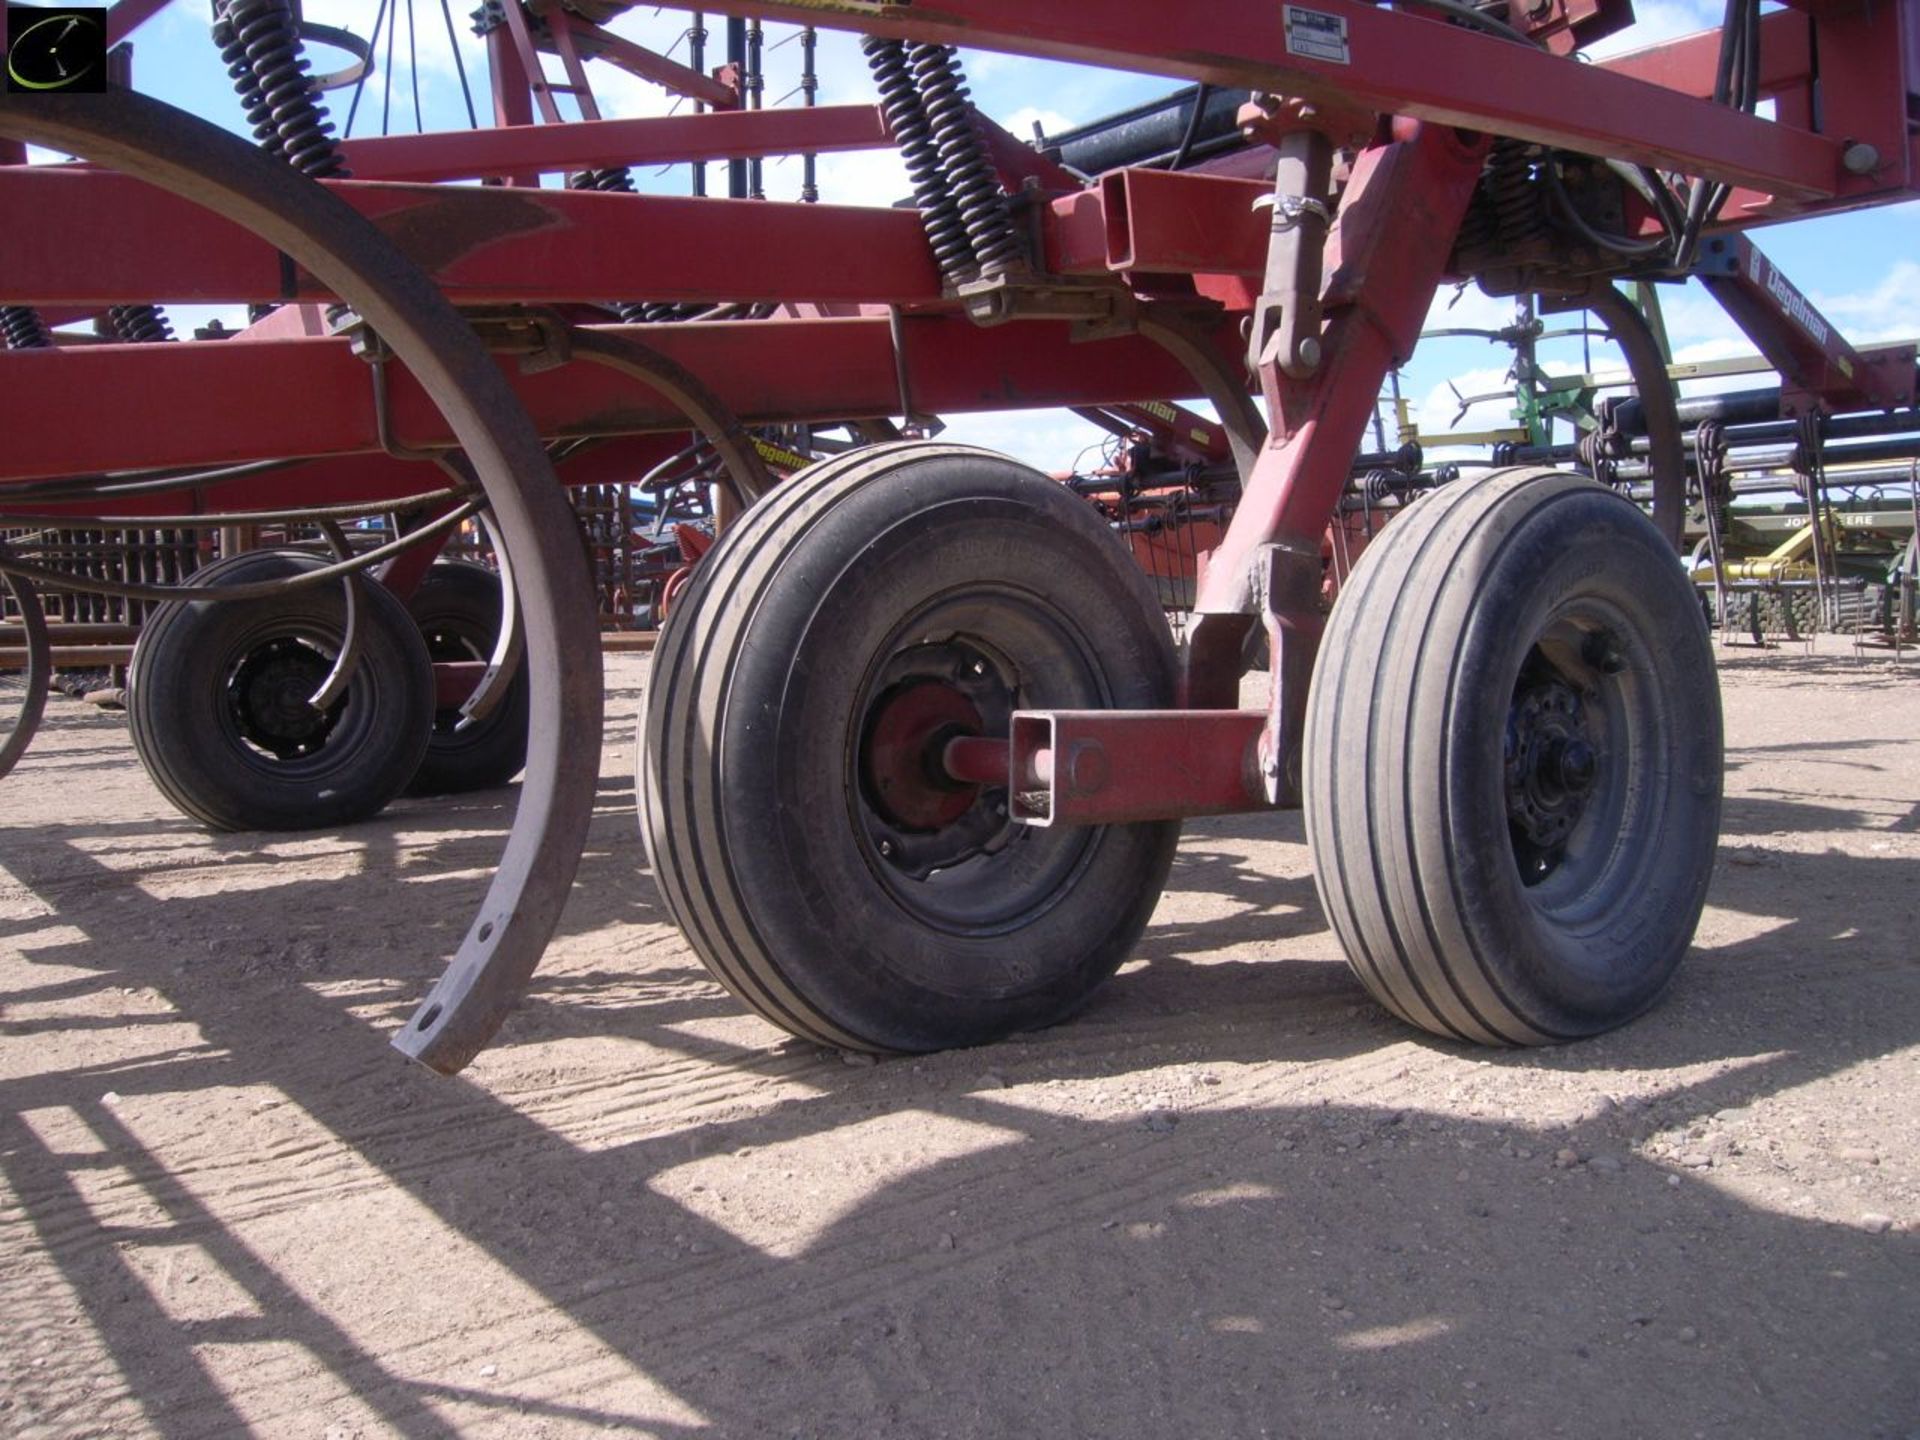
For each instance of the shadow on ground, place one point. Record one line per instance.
(1284, 1259)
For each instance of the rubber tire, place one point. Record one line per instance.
(1405, 809)
(184, 734)
(745, 770)
(18, 728)
(457, 608)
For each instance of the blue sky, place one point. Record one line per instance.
(1862, 269)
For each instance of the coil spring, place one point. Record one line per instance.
(22, 328)
(139, 324)
(267, 34)
(967, 168)
(617, 178)
(1519, 210)
(1380, 484)
(1591, 452)
(253, 100)
(1710, 463)
(906, 116)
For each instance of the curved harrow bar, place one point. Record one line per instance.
(202, 163)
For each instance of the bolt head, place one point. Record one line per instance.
(1578, 767)
(1860, 158)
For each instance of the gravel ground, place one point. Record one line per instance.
(1232, 1198)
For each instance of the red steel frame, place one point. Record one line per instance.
(868, 318)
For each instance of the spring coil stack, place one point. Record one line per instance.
(253, 100)
(139, 324)
(260, 42)
(1508, 210)
(913, 133)
(966, 168)
(22, 329)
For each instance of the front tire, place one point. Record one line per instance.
(795, 814)
(1513, 762)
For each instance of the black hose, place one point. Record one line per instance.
(1180, 156)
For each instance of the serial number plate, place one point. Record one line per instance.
(1316, 35)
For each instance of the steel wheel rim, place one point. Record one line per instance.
(1600, 654)
(1034, 658)
(279, 657)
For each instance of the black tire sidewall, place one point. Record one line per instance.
(463, 597)
(877, 556)
(1582, 544)
(176, 699)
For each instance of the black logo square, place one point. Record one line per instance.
(56, 49)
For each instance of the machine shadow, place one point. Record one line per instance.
(989, 1265)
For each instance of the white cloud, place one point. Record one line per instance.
(864, 177)
(1889, 310)
(1469, 308)
(1439, 411)
(1020, 123)
(1045, 439)
(1657, 20)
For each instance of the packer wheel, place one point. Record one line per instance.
(800, 825)
(1513, 762)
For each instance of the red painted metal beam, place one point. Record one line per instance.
(205, 404)
(1687, 64)
(454, 682)
(1160, 222)
(1384, 261)
(595, 43)
(98, 238)
(1818, 368)
(1396, 62)
(129, 15)
(594, 144)
(1114, 767)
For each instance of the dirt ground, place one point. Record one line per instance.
(1233, 1198)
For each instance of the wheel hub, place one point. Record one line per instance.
(902, 761)
(269, 697)
(917, 817)
(1552, 768)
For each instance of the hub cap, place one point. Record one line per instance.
(268, 694)
(1552, 766)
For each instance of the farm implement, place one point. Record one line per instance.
(918, 740)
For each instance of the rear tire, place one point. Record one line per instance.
(457, 608)
(1513, 762)
(798, 823)
(215, 701)
(23, 690)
